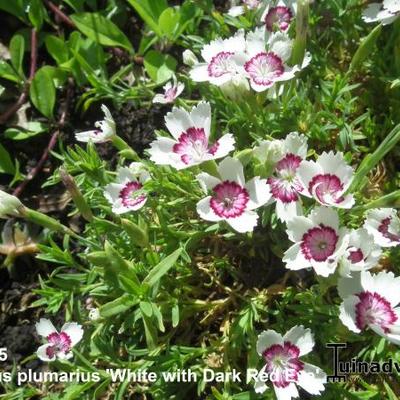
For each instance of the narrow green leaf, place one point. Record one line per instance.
(146, 308)
(160, 67)
(17, 50)
(7, 72)
(175, 315)
(57, 48)
(101, 30)
(162, 268)
(43, 92)
(118, 306)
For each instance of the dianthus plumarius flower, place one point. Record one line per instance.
(278, 15)
(327, 180)
(223, 60)
(245, 5)
(283, 364)
(319, 241)
(104, 132)
(384, 225)
(190, 144)
(385, 12)
(267, 56)
(59, 344)
(171, 91)
(361, 254)
(371, 301)
(231, 199)
(126, 194)
(284, 184)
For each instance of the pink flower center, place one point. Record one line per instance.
(278, 18)
(221, 64)
(355, 256)
(319, 243)
(373, 309)
(285, 185)
(384, 229)
(327, 188)
(229, 199)
(60, 343)
(283, 364)
(193, 146)
(129, 195)
(264, 68)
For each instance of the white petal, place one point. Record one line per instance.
(348, 313)
(93, 136)
(324, 268)
(295, 259)
(383, 283)
(326, 216)
(207, 181)
(201, 117)
(112, 191)
(244, 223)
(225, 145)
(348, 286)
(286, 393)
(199, 73)
(288, 211)
(160, 98)
(231, 169)
(205, 211)
(312, 379)
(236, 11)
(266, 339)
(178, 121)
(45, 327)
(296, 143)
(297, 227)
(259, 192)
(74, 331)
(300, 337)
(42, 354)
(161, 152)
(281, 45)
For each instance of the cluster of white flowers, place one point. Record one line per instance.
(386, 12)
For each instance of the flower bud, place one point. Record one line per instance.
(237, 88)
(10, 206)
(189, 58)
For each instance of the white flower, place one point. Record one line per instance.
(371, 301)
(237, 88)
(171, 91)
(327, 180)
(189, 58)
(319, 242)
(284, 184)
(279, 14)
(237, 10)
(94, 314)
(385, 12)
(267, 56)
(232, 199)
(190, 144)
(126, 193)
(9, 205)
(283, 366)
(384, 225)
(223, 60)
(59, 344)
(361, 254)
(104, 132)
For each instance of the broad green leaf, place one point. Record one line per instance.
(146, 308)
(16, 8)
(117, 306)
(160, 67)
(43, 92)
(17, 50)
(150, 11)
(57, 48)
(36, 14)
(162, 268)
(101, 30)
(6, 164)
(169, 22)
(32, 129)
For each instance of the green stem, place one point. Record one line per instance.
(124, 148)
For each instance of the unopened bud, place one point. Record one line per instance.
(10, 206)
(189, 58)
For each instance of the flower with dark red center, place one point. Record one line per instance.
(190, 145)
(318, 241)
(59, 344)
(384, 225)
(264, 68)
(327, 180)
(126, 194)
(223, 60)
(283, 367)
(362, 252)
(171, 91)
(105, 131)
(371, 301)
(278, 18)
(232, 199)
(283, 157)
